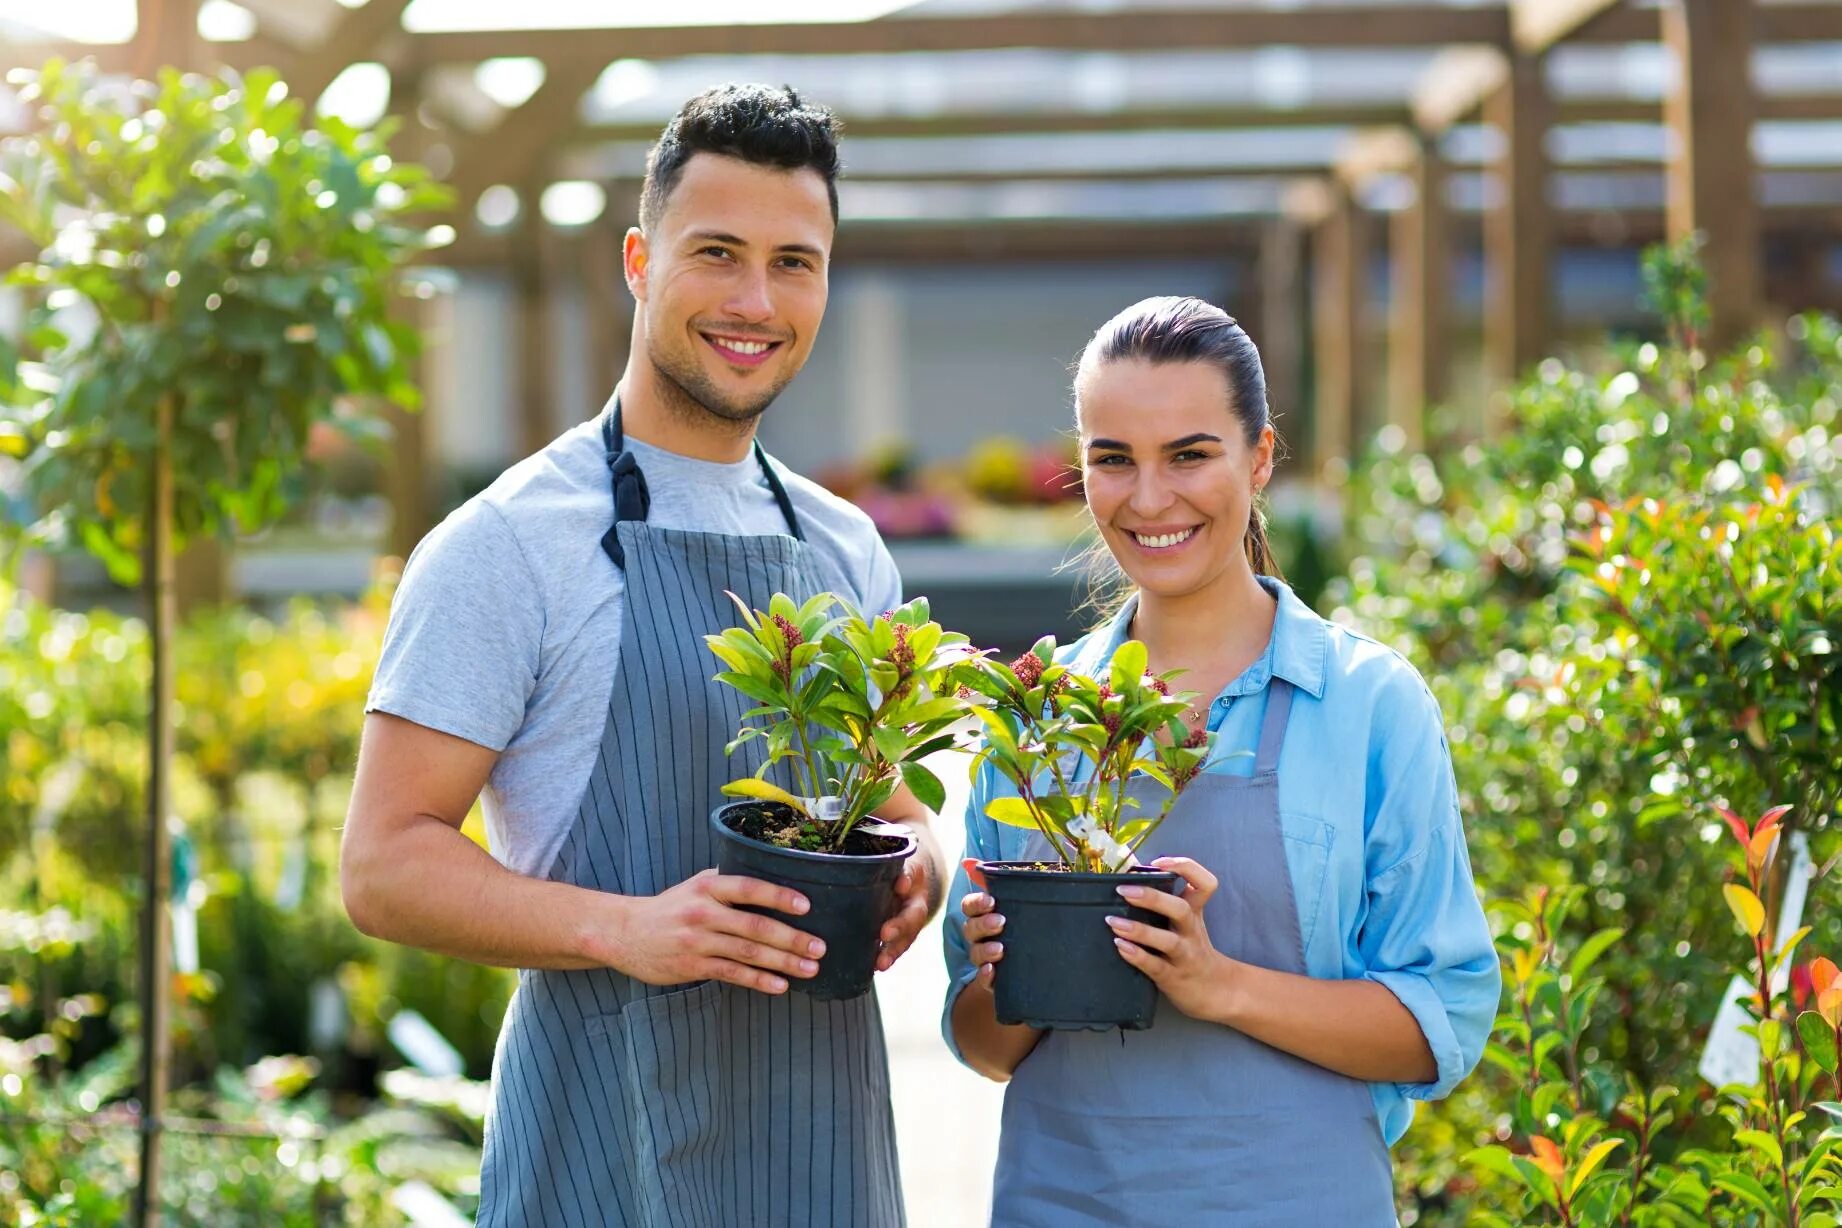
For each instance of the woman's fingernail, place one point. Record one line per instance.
(1122, 944)
(1131, 893)
(1117, 922)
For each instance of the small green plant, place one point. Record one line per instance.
(851, 704)
(1579, 1151)
(1044, 717)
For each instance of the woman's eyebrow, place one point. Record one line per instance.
(1175, 445)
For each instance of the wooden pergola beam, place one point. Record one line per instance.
(513, 151)
(1012, 123)
(1538, 25)
(1217, 119)
(358, 35)
(1393, 25)
(1710, 115)
(1455, 86)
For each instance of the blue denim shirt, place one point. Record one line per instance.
(1373, 835)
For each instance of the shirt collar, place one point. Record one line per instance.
(1297, 652)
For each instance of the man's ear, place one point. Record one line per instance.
(635, 262)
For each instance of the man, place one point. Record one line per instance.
(546, 646)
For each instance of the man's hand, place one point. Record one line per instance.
(695, 932)
(916, 893)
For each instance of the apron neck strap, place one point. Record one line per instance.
(1273, 729)
(633, 501)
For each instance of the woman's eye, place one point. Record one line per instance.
(1112, 461)
(1190, 454)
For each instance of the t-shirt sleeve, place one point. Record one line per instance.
(461, 651)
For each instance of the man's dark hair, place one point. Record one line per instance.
(756, 123)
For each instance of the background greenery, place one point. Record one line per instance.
(1629, 607)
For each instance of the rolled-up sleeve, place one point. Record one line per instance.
(1425, 936)
(981, 844)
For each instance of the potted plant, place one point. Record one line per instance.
(212, 272)
(848, 707)
(1044, 720)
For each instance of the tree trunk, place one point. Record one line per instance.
(156, 960)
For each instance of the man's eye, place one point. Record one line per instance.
(714, 251)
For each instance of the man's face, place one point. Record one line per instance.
(732, 281)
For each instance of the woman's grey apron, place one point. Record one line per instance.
(620, 1103)
(1190, 1122)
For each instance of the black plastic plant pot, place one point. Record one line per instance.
(1060, 967)
(852, 893)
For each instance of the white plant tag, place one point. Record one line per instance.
(427, 1049)
(1732, 1056)
(185, 937)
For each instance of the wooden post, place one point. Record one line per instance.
(406, 481)
(157, 862)
(1518, 225)
(610, 306)
(1709, 111)
(1419, 330)
(1337, 292)
(406, 478)
(1282, 319)
(536, 412)
(165, 36)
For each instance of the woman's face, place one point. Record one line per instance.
(1169, 474)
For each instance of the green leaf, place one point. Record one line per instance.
(1763, 1143)
(1128, 668)
(1590, 951)
(1748, 1190)
(1012, 812)
(1493, 1159)
(924, 785)
(1819, 1040)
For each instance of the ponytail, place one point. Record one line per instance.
(1259, 553)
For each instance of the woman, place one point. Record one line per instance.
(1328, 962)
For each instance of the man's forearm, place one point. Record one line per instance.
(429, 886)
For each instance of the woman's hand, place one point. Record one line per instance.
(983, 926)
(1181, 960)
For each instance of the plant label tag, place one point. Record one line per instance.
(1732, 1056)
(185, 937)
(426, 1049)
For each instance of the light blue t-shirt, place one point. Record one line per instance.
(1373, 837)
(506, 628)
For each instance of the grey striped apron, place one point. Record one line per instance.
(620, 1103)
(1191, 1122)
